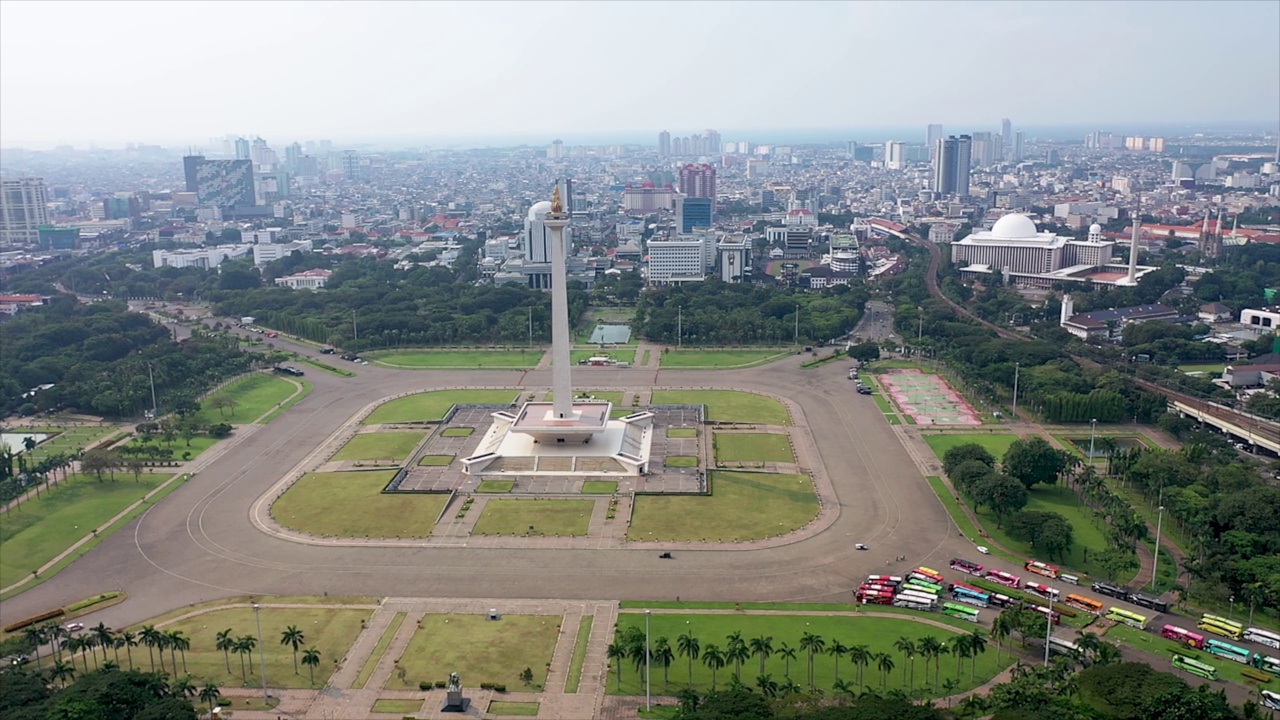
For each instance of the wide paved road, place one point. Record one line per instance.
(199, 544)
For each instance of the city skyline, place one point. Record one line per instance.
(443, 73)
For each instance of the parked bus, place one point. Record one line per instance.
(1065, 647)
(1053, 614)
(1004, 601)
(1042, 590)
(1271, 699)
(1190, 639)
(952, 586)
(1004, 578)
(916, 582)
(880, 588)
(1227, 650)
(884, 579)
(964, 612)
(1082, 602)
(1040, 568)
(912, 603)
(1069, 579)
(1262, 637)
(1118, 592)
(967, 566)
(972, 597)
(1132, 619)
(919, 596)
(876, 597)
(1142, 599)
(1265, 662)
(931, 574)
(1195, 667)
(1221, 626)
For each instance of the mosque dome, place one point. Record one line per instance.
(1014, 227)
(1095, 229)
(539, 209)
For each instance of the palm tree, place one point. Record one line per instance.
(861, 656)
(62, 672)
(787, 653)
(102, 635)
(209, 693)
(714, 659)
(54, 634)
(961, 649)
(35, 637)
(812, 644)
(739, 654)
(938, 652)
(907, 647)
(294, 638)
(617, 653)
(885, 663)
(663, 655)
(789, 687)
(226, 644)
(311, 658)
(75, 644)
(977, 646)
(110, 665)
(1000, 628)
(762, 647)
(248, 643)
(148, 635)
(179, 642)
(239, 649)
(162, 644)
(768, 687)
(688, 646)
(845, 688)
(183, 687)
(837, 650)
(975, 705)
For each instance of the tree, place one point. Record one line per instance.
(954, 456)
(1046, 531)
(907, 647)
(1000, 492)
(616, 654)
(861, 656)
(150, 637)
(210, 693)
(226, 644)
(977, 646)
(1033, 460)
(96, 462)
(739, 653)
(865, 352)
(62, 672)
(103, 636)
(885, 663)
(179, 642)
(811, 644)
(222, 403)
(714, 659)
(183, 687)
(968, 474)
(311, 658)
(768, 686)
(688, 646)
(663, 655)
(294, 638)
(761, 647)
(836, 650)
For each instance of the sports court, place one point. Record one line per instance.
(927, 398)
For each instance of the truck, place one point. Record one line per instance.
(247, 320)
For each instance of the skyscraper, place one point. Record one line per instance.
(692, 212)
(565, 186)
(242, 149)
(23, 210)
(951, 166)
(698, 180)
(1006, 139)
(664, 143)
(932, 136)
(222, 183)
(983, 150)
(555, 151)
(711, 143)
(1015, 148)
(895, 155)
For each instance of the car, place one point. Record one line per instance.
(984, 550)
(326, 351)
(273, 334)
(864, 390)
(860, 546)
(74, 626)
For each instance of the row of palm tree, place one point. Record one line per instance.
(100, 637)
(244, 645)
(32, 473)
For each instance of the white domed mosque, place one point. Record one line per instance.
(1025, 255)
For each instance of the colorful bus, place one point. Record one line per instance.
(930, 573)
(1004, 601)
(1265, 662)
(884, 579)
(1195, 667)
(1042, 590)
(1083, 602)
(1053, 614)
(952, 586)
(967, 566)
(972, 597)
(1221, 626)
(914, 601)
(873, 586)
(1142, 599)
(1128, 617)
(1262, 637)
(1188, 638)
(1004, 578)
(916, 582)
(1271, 699)
(1040, 568)
(919, 596)
(964, 612)
(1227, 650)
(1066, 647)
(1118, 592)
(876, 597)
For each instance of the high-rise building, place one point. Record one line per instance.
(292, 154)
(262, 154)
(555, 150)
(692, 212)
(698, 180)
(951, 166)
(565, 185)
(664, 143)
(221, 183)
(23, 209)
(1006, 136)
(711, 143)
(895, 155)
(983, 150)
(242, 149)
(932, 135)
(351, 167)
(1015, 148)
(537, 238)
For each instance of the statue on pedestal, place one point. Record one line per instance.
(454, 702)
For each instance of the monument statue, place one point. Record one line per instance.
(454, 702)
(455, 682)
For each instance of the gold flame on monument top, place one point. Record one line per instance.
(557, 206)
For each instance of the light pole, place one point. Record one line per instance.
(1048, 626)
(152, 378)
(1015, 391)
(1093, 428)
(262, 663)
(355, 329)
(647, 695)
(679, 325)
(530, 326)
(1155, 567)
(797, 335)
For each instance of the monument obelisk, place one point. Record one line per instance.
(561, 381)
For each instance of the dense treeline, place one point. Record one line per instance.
(719, 313)
(106, 694)
(97, 355)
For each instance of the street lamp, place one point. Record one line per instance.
(1155, 567)
(1048, 625)
(647, 696)
(1093, 428)
(1015, 391)
(262, 663)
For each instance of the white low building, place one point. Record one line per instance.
(676, 260)
(1267, 317)
(306, 280)
(206, 258)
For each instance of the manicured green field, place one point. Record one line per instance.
(399, 707)
(394, 446)
(995, 443)
(742, 506)
(66, 439)
(1205, 368)
(883, 403)
(877, 633)
(371, 662)
(518, 358)
(326, 367)
(479, 650)
(437, 460)
(719, 358)
(457, 432)
(753, 447)
(495, 486)
(431, 406)
(729, 405)
(682, 432)
(182, 449)
(1087, 530)
(510, 707)
(351, 504)
(579, 654)
(36, 531)
(512, 516)
(680, 461)
(599, 487)
(254, 396)
(329, 630)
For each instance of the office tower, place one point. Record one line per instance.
(1016, 148)
(221, 183)
(698, 180)
(23, 209)
(242, 149)
(932, 136)
(351, 168)
(1006, 137)
(261, 154)
(565, 186)
(895, 155)
(292, 154)
(692, 212)
(536, 242)
(951, 166)
(555, 151)
(983, 150)
(711, 143)
(664, 143)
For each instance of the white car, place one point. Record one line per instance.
(984, 550)
(75, 626)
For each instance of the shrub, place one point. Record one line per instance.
(424, 685)
(441, 684)
(92, 601)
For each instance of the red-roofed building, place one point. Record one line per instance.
(11, 304)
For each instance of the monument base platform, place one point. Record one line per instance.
(458, 705)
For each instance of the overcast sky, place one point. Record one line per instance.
(177, 72)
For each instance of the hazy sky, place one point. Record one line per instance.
(180, 72)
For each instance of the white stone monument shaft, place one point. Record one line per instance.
(561, 382)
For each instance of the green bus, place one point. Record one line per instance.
(1195, 667)
(1227, 650)
(923, 586)
(1221, 626)
(964, 612)
(1132, 619)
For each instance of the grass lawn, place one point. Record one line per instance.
(599, 487)
(379, 446)
(36, 531)
(179, 446)
(1153, 642)
(579, 655)
(437, 460)
(326, 367)
(518, 358)
(753, 447)
(882, 402)
(1087, 531)
(431, 406)
(1208, 368)
(329, 630)
(496, 486)
(511, 516)
(742, 506)
(457, 432)
(995, 443)
(682, 432)
(371, 662)
(478, 649)
(65, 439)
(731, 405)
(680, 461)
(509, 707)
(399, 707)
(877, 633)
(644, 360)
(351, 504)
(719, 358)
(254, 396)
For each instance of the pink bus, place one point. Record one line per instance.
(1173, 632)
(884, 579)
(1004, 578)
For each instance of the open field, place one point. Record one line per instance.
(728, 405)
(720, 358)
(394, 446)
(512, 516)
(1087, 531)
(682, 432)
(599, 487)
(877, 633)
(254, 396)
(518, 358)
(680, 461)
(509, 707)
(495, 486)
(431, 406)
(995, 443)
(753, 447)
(478, 649)
(437, 460)
(36, 531)
(351, 504)
(742, 506)
(1212, 369)
(327, 629)
(67, 439)
(399, 707)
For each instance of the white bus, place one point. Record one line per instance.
(932, 600)
(1262, 637)
(913, 603)
(1066, 647)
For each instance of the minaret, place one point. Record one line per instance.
(1133, 247)
(561, 384)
